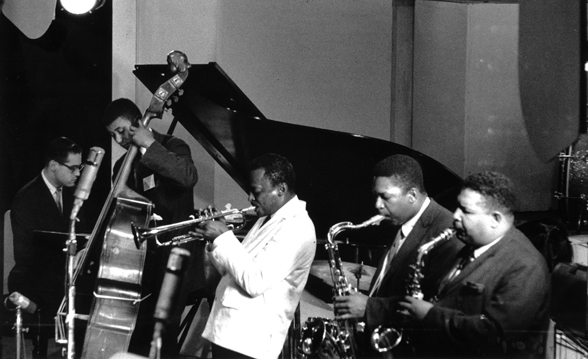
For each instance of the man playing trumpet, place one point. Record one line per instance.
(263, 277)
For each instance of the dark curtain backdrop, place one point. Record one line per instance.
(56, 85)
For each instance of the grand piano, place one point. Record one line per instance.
(333, 169)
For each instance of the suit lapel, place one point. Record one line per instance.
(413, 241)
(476, 265)
(383, 258)
(68, 199)
(49, 200)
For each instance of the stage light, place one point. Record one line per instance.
(79, 7)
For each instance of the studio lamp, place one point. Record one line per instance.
(79, 7)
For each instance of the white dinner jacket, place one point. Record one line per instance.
(263, 279)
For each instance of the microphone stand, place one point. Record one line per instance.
(71, 246)
(19, 329)
(155, 351)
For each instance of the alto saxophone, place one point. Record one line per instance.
(336, 338)
(385, 338)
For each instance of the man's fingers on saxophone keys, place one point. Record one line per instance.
(416, 307)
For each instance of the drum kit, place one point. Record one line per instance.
(357, 274)
(572, 196)
(359, 261)
(316, 300)
(573, 184)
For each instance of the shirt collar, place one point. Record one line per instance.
(51, 187)
(479, 251)
(409, 225)
(288, 209)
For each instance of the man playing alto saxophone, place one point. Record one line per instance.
(402, 198)
(494, 302)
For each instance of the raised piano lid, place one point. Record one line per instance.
(333, 169)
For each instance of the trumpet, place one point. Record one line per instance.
(141, 234)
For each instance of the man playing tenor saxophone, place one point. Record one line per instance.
(402, 198)
(263, 277)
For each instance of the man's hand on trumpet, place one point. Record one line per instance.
(209, 230)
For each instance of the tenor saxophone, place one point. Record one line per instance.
(336, 338)
(385, 338)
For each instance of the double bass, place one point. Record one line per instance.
(117, 288)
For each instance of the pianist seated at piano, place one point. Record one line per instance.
(494, 301)
(401, 197)
(264, 276)
(164, 173)
(40, 224)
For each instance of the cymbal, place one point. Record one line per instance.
(354, 272)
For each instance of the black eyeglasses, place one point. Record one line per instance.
(72, 168)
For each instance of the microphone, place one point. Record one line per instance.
(89, 175)
(16, 300)
(87, 179)
(170, 288)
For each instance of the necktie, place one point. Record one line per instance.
(463, 260)
(58, 200)
(386, 265)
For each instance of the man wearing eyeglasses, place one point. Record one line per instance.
(40, 208)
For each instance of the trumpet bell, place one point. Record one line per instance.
(137, 235)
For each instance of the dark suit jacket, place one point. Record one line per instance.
(496, 307)
(39, 269)
(382, 308)
(169, 160)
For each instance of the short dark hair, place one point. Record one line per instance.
(405, 169)
(122, 107)
(496, 188)
(59, 149)
(277, 170)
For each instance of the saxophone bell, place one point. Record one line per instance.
(384, 339)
